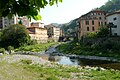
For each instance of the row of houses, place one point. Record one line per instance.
(44, 33)
(93, 20)
(37, 30)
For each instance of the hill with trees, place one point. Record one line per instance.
(69, 28)
(111, 6)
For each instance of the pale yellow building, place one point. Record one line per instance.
(39, 34)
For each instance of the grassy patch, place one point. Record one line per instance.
(36, 47)
(28, 71)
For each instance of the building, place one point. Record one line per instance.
(114, 20)
(4, 21)
(25, 21)
(91, 22)
(37, 24)
(53, 32)
(39, 34)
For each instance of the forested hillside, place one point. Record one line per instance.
(69, 27)
(111, 6)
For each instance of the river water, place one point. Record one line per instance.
(65, 60)
(85, 62)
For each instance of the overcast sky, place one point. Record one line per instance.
(69, 10)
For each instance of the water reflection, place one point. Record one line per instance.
(84, 62)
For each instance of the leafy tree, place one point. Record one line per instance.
(92, 34)
(14, 35)
(103, 32)
(30, 8)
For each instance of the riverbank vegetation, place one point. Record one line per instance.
(94, 44)
(15, 37)
(25, 70)
(36, 47)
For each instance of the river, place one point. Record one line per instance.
(105, 62)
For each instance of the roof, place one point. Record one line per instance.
(116, 12)
(35, 27)
(51, 25)
(37, 23)
(30, 32)
(96, 11)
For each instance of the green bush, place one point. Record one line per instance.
(14, 35)
(26, 61)
(2, 50)
(103, 32)
(53, 78)
(10, 48)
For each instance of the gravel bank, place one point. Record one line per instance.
(17, 58)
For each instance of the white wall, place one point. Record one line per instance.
(110, 19)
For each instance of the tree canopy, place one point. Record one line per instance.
(14, 35)
(29, 8)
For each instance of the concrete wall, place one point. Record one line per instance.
(110, 19)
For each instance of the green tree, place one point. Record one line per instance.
(15, 35)
(30, 8)
(103, 32)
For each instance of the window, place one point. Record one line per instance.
(114, 18)
(87, 22)
(100, 18)
(99, 23)
(93, 29)
(115, 26)
(93, 22)
(87, 28)
(115, 34)
(105, 23)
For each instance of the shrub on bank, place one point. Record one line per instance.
(108, 47)
(36, 47)
(2, 50)
(14, 35)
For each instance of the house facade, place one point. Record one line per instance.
(39, 34)
(91, 22)
(53, 32)
(114, 19)
(5, 21)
